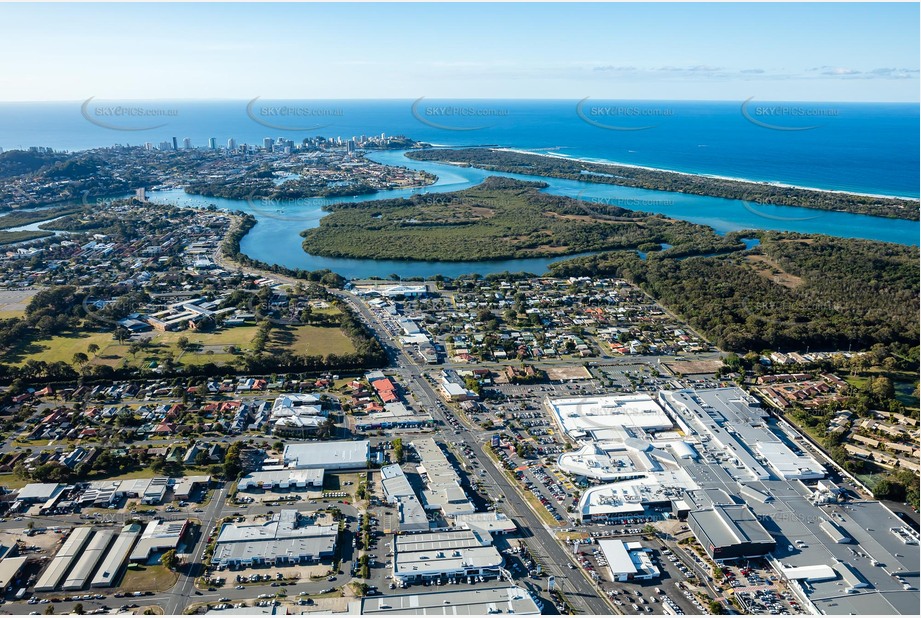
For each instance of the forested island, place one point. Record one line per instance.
(661, 180)
(791, 292)
(500, 218)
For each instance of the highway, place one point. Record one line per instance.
(542, 543)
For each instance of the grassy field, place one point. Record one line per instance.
(58, 348)
(156, 578)
(315, 340)
(10, 480)
(208, 347)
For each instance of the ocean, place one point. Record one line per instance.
(864, 148)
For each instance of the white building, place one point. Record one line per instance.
(606, 417)
(341, 455)
(429, 556)
(309, 478)
(627, 561)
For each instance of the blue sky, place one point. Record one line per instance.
(792, 52)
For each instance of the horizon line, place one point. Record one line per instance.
(411, 99)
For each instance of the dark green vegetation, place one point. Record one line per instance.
(498, 219)
(793, 291)
(659, 180)
(25, 217)
(7, 238)
(19, 162)
(900, 486)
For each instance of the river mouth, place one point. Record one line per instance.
(276, 239)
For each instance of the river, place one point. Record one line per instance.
(276, 239)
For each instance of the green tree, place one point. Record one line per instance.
(78, 609)
(233, 465)
(716, 608)
(398, 450)
(169, 559)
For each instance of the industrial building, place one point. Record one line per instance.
(736, 423)
(493, 523)
(64, 559)
(34, 493)
(89, 558)
(9, 570)
(443, 491)
(730, 532)
(116, 558)
(506, 600)
(398, 492)
(342, 455)
(158, 536)
(286, 539)
(308, 478)
(627, 561)
(429, 556)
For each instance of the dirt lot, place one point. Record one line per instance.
(13, 302)
(708, 367)
(563, 374)
(46, 542)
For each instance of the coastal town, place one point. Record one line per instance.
(185, 434)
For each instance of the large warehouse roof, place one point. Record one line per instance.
(510, 600)
(730, 524)
(604, 416)
(329, 455)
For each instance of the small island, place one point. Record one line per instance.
(508, 161)
(501, 218)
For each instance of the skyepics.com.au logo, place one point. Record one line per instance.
(796, 310)
(454, 117)
(608, 207)
(97, 203)
(775, 209)
(621, 117)
(127, 117)
(786, 116)
(288, 117)
(783, 517)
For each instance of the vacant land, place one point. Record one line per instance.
(314, 340)
(13, 303)
(156, 578)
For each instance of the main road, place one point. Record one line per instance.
(542, 543)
